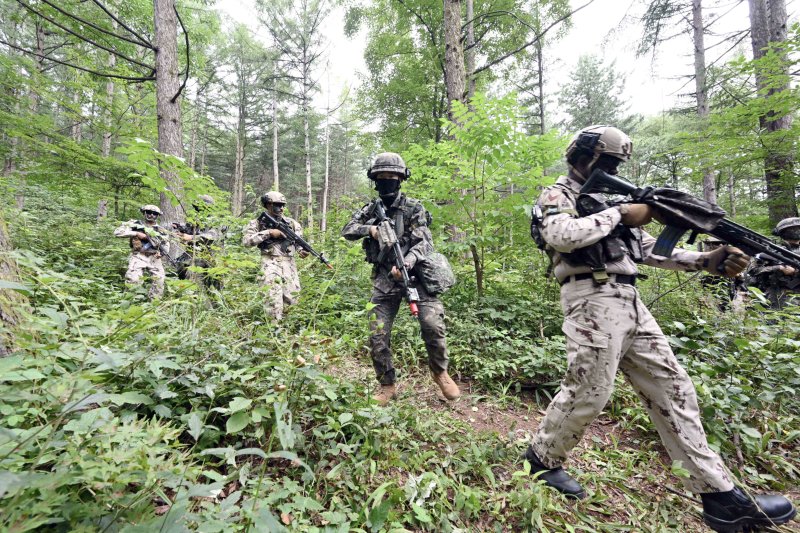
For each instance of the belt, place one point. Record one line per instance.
(625, 279)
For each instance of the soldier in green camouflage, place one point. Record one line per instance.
(609, 328)
(148, 243)
(411, 221)
(278, 267)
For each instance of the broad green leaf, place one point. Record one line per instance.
(237, 422)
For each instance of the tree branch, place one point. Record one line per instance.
(118, 21)
(526, 45)
(81, 37)
(188, 63)
(102, 74)
(96, 27)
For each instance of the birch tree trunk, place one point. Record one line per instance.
(307, 141)
(168, 105)
(237, 183)
(324, 220)
(276, 183)
(12, 303)
(701, 91)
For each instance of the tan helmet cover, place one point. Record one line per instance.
(206, 199)
(602, 139)
(273, 197)
(150, 207)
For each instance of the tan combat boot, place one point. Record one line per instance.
(387, 392)
(448, 386)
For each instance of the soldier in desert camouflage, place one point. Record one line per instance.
(608, 328)
(278, 267)
(148, 243)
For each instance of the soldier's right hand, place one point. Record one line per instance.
(635, 215)
(141, 236)
(276, 234)
(373, 232)
(787, 270)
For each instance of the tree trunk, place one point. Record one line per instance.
(540, 83)
(455, 75)
(731, 197)
(307, 141)
(324, 220)
(12, 303)
(168, 105)
(276, 180)
(195, 125)
(469, 55)
(701, 91)
(768, 24)
(102, 209)
(237, 183)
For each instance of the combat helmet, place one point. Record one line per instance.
(785, 224)
(601, 139)
(273, 197)
(389, 162)
(150, 207)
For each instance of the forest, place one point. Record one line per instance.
(199, 411)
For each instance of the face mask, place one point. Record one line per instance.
(277, 209)
(387, 188)
(791, 234)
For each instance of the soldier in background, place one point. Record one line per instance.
(779, 283)
(278, 267)
(200, 241)
(411, 221)
(608, 328)
(148, 243)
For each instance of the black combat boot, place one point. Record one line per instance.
(735, 511)
(555, 477)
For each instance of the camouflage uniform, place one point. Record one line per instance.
(411, 222)
(199, 254)
(279, 271)
(608, 327)
(144, 257)
(780, 289)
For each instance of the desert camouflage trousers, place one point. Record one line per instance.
(279, 276)
(138, 264)
(381, 320)
(608, 327)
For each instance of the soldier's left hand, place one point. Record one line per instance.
(186, 237)
(787, 270)
(396, 274)
(727, 261)
(302, 253)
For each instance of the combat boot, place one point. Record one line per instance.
(387, 392)
(446, 383)
(556, 478)
(735, 510)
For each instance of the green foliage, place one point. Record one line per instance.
(481, 181)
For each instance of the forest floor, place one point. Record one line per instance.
(515, 418)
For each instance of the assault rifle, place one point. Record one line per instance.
(158, 241)
(388, 238)
(681, 212)
(267, 221)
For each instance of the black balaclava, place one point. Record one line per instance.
(387, 189)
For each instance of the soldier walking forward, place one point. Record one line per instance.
(608, 328)
(278, 267)
(411, 221)
(148, 243)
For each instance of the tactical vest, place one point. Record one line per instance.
(621, 241)
(402, 212)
